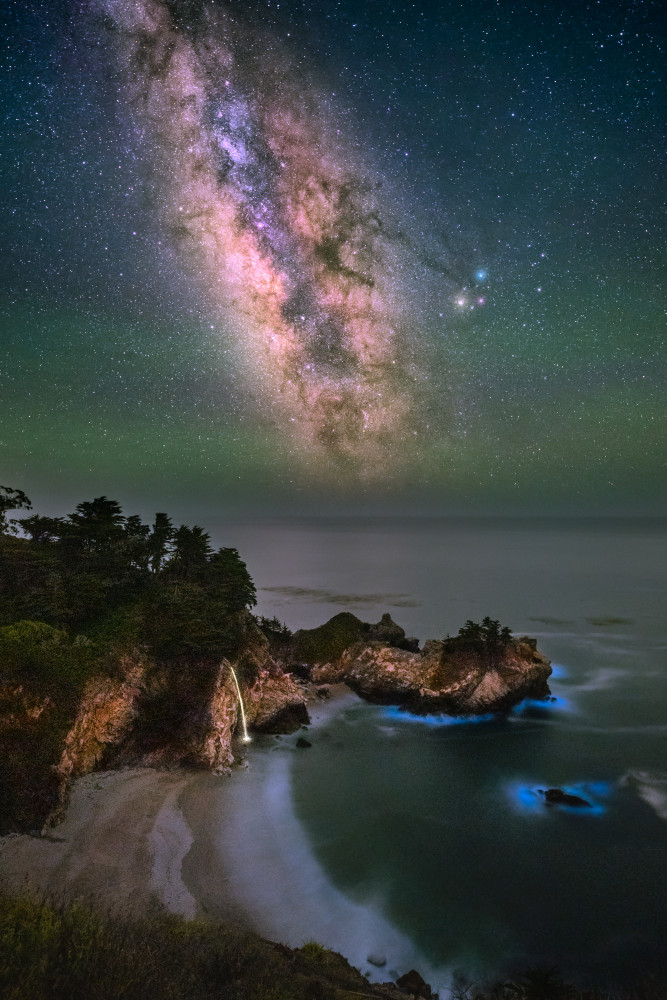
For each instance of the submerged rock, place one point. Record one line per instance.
(303, 744)
(557, 797)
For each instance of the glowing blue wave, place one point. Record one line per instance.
(529, 800)
(396, 713)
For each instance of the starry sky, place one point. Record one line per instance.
(354, 255)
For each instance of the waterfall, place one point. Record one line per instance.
(246, 738)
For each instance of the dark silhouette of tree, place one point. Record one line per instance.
(488, 639)
(112, 576)
(159, 540)
(192, 551)
(228, 579)
(11, 499)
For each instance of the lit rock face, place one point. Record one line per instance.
(275, 703)
(437, 680)
(151, 716)
(215, 750)
(106, 714)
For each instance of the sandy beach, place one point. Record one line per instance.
(198, 845)
(137, 838)
(119, 845)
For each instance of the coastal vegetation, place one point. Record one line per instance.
(67, 952)
(77, 595)
(117, 638)
(90, 600)
(487, 638)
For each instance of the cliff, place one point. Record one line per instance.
(156, 715)
(186, 713)
(445, 677)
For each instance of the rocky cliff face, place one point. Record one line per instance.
(437, 679)
(187, 714)
(151, 715)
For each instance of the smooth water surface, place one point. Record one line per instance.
(440, 827)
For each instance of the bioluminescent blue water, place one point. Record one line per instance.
(436, 825)
(530, 798)
(395, 712)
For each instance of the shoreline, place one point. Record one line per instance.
(102, 852)
(202, 845)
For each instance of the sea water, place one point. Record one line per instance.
(428, 839)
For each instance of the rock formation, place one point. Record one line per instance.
(151, 715)
(440, 679)
(186, 713)
(557, 797)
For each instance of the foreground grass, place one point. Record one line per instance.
(68, 952)
(51, 952)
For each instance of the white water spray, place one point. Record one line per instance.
(246, 738)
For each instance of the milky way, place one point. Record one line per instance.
(287, 240)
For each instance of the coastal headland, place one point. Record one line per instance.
(133, 672)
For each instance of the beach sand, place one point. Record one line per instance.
(119, 846)
(202, 845)
(136, 839)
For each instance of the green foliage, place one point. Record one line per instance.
(42, 673)
(52, 952)
(77, 594)
(314, 950)
(99, 570)
(487, 639)
(329, 641)
(192, 552)
(229, 580)
(43, 657)
(273, 628)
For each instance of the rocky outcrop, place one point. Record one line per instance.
(215, 750)
(441, 679)
(187, 714)
(275, 703)
(327, 643)
(105, 717)
(152, 715)
(414, 985)
(557, 797)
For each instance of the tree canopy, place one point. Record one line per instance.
(487, 638)
(105, 574)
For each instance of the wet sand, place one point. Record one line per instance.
(197, 844)
(137, 839)
(119, 846)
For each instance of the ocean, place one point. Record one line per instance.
(426, 843)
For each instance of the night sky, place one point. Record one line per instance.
(353, 255)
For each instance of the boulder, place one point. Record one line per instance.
(413, 984)
(386, 631)
(557, 797)
(274, 703)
